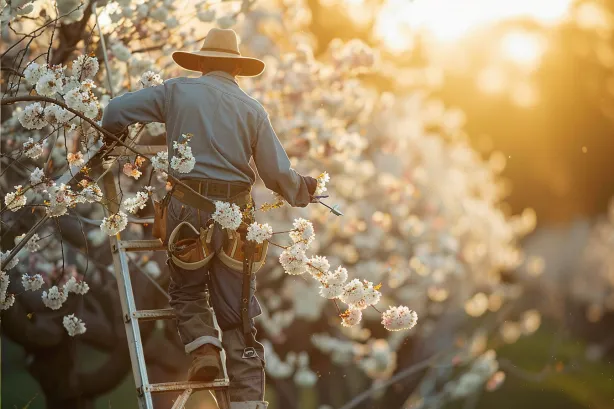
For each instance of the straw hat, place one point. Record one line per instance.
(220, 45)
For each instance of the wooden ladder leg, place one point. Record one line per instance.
(182, 399)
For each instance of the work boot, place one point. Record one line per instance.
(206, 364)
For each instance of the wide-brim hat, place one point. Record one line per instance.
(221, 45)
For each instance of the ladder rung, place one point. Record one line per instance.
(144, 149)
(181, 386)
(141, 245)
(150, 315)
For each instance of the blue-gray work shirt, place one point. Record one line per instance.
(229, 127)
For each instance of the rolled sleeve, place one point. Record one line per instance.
(145, 105)
(274, 167)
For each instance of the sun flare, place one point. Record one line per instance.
(450, 20)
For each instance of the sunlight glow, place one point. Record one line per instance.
(523, 48)
(450, 20)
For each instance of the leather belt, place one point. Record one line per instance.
(235, 192)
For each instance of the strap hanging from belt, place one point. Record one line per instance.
(248, 261)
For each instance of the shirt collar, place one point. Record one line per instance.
(222, 74)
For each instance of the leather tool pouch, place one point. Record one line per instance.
(191, 253)
(231, 253)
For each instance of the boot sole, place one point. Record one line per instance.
(205, 374)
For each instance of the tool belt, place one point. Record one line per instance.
(236, 192)
(236, 252)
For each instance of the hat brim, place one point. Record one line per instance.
(250, 67)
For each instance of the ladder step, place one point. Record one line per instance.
(141, 245)
(150, 315)
(181, 386)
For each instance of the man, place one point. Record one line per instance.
(229, 128)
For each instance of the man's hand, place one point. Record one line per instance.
(312, 184)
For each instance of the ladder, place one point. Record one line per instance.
(132, 317)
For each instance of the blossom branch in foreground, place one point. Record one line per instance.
(357, 294)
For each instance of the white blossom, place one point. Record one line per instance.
(15, 200)
(34, 72)
(318, 267)
(91, 192)
(150, 79)
(82, 99)
(32, 283)
(33, 116)
(331, 291)
(32, 244)
(77, 287)
(4, 285)
(74, 326)
(352, 292)
(399, 318)
(133, 204)
(37, 177)
(55, 297)
(85, 67)
(32, 150)
(121, 52)
(183, 161)
(114, 224)
(12, 263)
(323, 179)
(372, 296)
(75, 159)
(351, 317)
(49, 84)
(7, 302)
(56, 115)
(227, 214)
(303, 231)
(160, 161)
(293, 259)
(259, 232)
(339, 276)
(60, 199)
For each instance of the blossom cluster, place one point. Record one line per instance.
(183, 161)
(134, 204)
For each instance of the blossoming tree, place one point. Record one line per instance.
(422, 233)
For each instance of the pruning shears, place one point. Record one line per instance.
(334, 210)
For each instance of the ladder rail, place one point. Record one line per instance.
(126, 296)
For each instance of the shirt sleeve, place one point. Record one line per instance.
(145, 105)
(274, 167)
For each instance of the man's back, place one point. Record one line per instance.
(223, 120)
(227, 125)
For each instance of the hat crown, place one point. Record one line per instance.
(219, 39)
